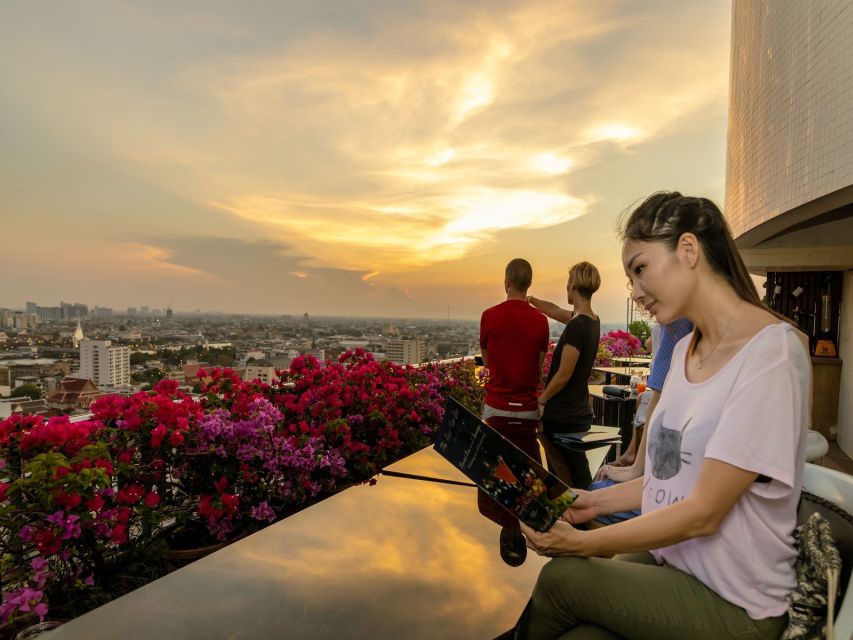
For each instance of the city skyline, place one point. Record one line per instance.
(342, 160)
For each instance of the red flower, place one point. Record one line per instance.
(61, 472)
(230, 502)
(206, 508)
(66, 500)
(176, 439)
(46, 542)
(168, 387)
(157, 435)
(130, 495)
(152, 500)
(4, 486)
(106, 465)
(119, 534)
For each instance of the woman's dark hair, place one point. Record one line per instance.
(666, 215)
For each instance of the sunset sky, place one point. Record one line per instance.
(381, 158)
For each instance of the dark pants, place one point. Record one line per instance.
(576, 461)
(632, 597)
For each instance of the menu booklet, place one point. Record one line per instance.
(503, 471)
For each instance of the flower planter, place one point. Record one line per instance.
(27, 628)
(189, 543)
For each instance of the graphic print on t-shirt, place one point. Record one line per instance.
(665, 450)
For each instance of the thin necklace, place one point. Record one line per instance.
(722, 335)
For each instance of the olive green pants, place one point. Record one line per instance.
(632, 597)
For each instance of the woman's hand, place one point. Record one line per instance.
(560, 540)
(617, 474)
(582, 510)
(625, 460)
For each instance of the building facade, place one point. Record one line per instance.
(264, 373)
(106, 365)
(789, 178)
(406, 351)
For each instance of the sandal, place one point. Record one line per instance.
(513, 546)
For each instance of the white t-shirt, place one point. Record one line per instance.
(752, 414)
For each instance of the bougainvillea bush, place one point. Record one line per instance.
(619, 344)
(65, 516)
(85, 507)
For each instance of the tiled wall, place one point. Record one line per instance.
(790, 136)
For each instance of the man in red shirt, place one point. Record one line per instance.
(513, 343)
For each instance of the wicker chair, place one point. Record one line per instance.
(836, 488)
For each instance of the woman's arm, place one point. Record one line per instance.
(635, 470)
(700, 514)
(568, 360)
(625, 496)
(551, 310)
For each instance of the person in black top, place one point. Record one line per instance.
(564, 404)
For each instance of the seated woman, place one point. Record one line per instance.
(724, 460)
(564, 403)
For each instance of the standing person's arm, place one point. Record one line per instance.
(551, 310)
(568, 361)
(544, 346)
(484, 339)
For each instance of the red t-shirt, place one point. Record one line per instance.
(513, 334)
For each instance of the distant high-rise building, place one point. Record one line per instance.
(32, 307)
(106, 365)
(144, 311)
(168, 314)
(131, 311)
(406, 351)
(49, 313)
